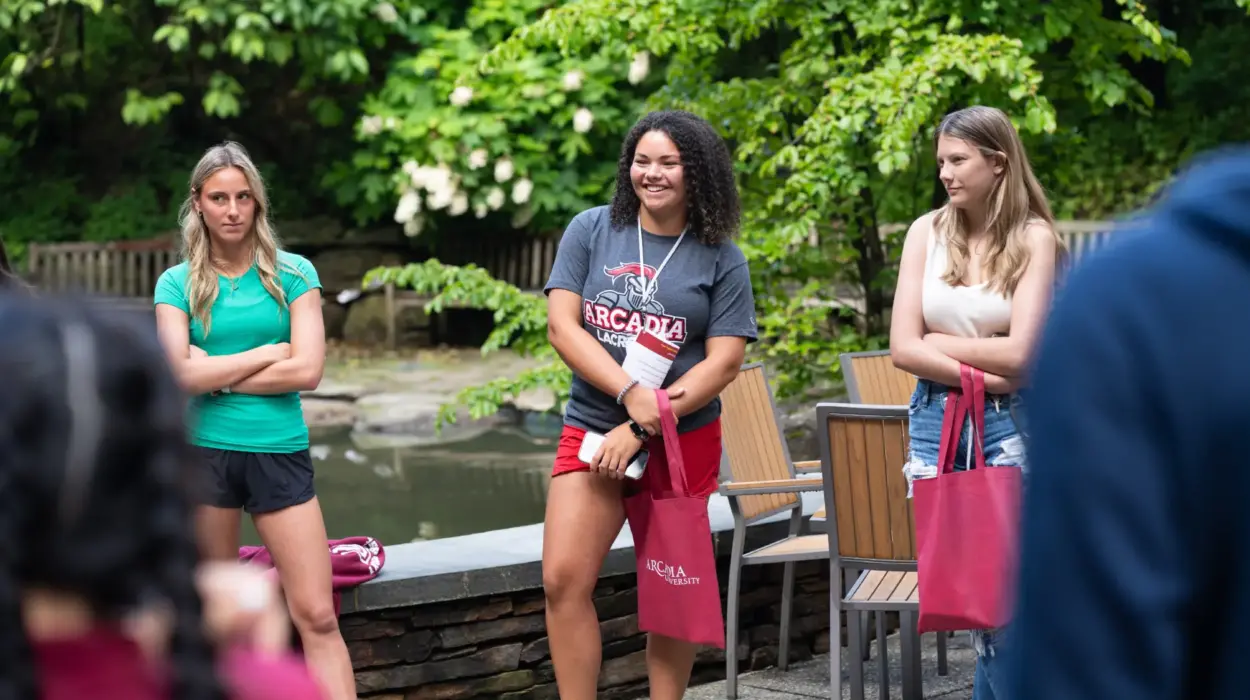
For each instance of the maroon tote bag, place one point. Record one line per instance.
(967, 526)
(678, 593)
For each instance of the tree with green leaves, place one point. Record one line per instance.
(534, 139)
(108, 103)
(830, 107)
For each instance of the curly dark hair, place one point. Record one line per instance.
(94, 482)
(713, 209)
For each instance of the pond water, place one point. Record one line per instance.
(403, 494)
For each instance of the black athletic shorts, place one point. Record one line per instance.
(258, 482)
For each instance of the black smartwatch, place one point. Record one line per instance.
(639, 431)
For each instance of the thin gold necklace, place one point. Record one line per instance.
(234, 280)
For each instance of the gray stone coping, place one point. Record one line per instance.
(506, 561)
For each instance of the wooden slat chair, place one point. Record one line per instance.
(871, 535)
(872, 378)
(762, 483)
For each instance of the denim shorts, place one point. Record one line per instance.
(1002, 442)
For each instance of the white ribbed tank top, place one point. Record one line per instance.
(967, 312)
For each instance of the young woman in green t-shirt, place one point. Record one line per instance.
(241, 322)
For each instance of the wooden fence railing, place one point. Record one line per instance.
(124, 271)
(1081, 237)
(127, 271)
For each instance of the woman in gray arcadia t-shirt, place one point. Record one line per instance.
(659, 261)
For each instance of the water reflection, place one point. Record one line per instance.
(401, 494)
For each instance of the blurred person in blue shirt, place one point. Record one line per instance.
(1133, 572)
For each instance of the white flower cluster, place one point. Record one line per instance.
(639, 68)
(572, 81)
(583, 119)
(373, 124)
(386, 12)
(461, 96)
(442, 188)
(442, 185)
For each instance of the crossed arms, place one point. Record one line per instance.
(936, 356)
(278, 368)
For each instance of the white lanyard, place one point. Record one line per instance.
(648, 286)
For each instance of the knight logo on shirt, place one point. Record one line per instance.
(618, 314)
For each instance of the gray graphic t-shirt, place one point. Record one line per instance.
(704, 291)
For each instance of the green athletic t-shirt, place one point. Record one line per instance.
(242, 319)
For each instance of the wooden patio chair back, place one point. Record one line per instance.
(863, 449)
(872, 378)
(755, 449)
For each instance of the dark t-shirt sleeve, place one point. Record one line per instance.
(1104, 572)
(733, 302)
(572, 262)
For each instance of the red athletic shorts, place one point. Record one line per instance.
(700, 447)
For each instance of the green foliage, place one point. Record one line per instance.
(133, 212)
(328, 39)
(520, 323)
(486, 399)
(829, 106)
(427, 111)
(533, 139)
(520, 318)
(115, 96)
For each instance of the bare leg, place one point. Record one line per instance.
(669, 662)
(217, 530)
(584, 515)
(296, 538)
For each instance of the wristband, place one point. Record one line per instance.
(620, 398)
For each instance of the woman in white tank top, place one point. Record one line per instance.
(974, 288)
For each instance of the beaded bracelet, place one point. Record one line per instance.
(620, 398)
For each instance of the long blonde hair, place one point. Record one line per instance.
(1015, 201)
(197, 244)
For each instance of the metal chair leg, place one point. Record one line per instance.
(850, 576)
(913, 688)
(883, 659)
(731, 612)
(787, 609)
(854, 656)
(865, 624)
(835, 636)
(942, 667)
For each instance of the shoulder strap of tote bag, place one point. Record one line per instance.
(973, 381)
(952, 424)
(672, 447)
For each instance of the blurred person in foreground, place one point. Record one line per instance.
(1132, 558)
(102, 592)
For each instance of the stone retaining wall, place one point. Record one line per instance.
(496, 646)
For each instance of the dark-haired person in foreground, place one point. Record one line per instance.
(100, 578)
(659, 258)
(1133, 561)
